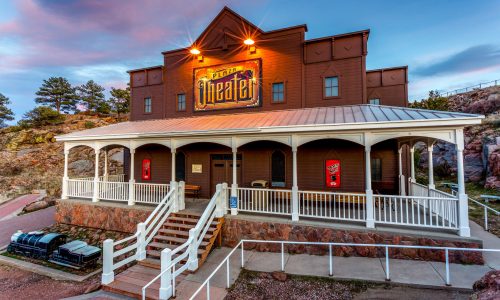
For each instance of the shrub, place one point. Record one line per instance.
(434, 102)
(41, 116)
(89, 124)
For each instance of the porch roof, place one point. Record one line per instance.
(349, 117)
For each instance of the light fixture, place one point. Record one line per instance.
(249, 42)
(194, 51)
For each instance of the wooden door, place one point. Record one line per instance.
(221, 170)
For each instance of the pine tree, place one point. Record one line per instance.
(120, 100)
(91, 96)
(57, 92)
(6, 113)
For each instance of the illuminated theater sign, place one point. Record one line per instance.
(233, 85)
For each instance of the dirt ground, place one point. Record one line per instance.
(259, 286)
(19, 284)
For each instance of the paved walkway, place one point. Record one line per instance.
(419, 273)
(28, 222)
(16, 205)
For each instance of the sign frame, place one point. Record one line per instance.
(259, 82)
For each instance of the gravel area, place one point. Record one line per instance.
(19, 284)
(255, 285)
(252, 285)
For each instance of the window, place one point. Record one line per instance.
(376, 164)
(331, 86)
(375, 101)
(278, 169)
(180, 167)
(278, 92)
(147, 105)
(181, 102)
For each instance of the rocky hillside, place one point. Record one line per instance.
(482, 142)
(32, 159)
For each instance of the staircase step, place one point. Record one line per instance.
(151, 263)
(187, 215)
(174, 240)
(180, 233)
(186, 227)
(157, 254)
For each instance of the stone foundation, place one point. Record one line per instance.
(237, 228)
(102, 215)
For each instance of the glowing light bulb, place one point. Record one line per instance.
(249, 42)
(195, 51)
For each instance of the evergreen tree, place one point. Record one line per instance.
(120, 100)
(434, 102)
(57, 92)
(91, 96)
(5, 113)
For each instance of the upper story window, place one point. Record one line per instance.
(375, 101)
(331, 86)
(147, 105)
(278, 92)
(181, 102)
(376, 168)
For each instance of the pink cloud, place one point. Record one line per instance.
(72, 33)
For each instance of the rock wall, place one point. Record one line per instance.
(237, 228)
(101, 215)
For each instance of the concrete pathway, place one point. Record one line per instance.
(28, 222)
(490, 241)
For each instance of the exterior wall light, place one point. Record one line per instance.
(249, 42)
(194, 51)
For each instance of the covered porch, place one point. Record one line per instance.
(409, 205)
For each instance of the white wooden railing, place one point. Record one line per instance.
(113, 178)
(186, 255)
(80, 188)
(330, 266)
(444, 209)
(416, 211)
(151, 193)
(134, 247)
(329, 205)
(114, 191)
(264, 200)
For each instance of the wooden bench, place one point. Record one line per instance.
(192, 190)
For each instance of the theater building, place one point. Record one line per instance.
(246, 122)
(297, 128)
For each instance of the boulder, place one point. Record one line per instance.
(488, 287)
(280, 276)
(81, 166)
(473, 167)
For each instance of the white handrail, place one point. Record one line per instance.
(485, 212)
(190, 247)
(145, 233)
(330, 245)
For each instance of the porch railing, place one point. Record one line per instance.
(80, 188)
(151, 193)
(114, 191)
(416, 211)
(328, 205)
(446, 209)
(265, 200)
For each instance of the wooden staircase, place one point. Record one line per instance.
(173, 233)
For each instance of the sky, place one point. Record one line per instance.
(446, 44)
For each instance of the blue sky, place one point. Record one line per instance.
(446, 44)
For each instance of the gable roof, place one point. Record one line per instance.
(350, 117)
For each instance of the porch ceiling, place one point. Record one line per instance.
(351, 117)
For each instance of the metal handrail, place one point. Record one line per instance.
(330, 247)
(485, 212)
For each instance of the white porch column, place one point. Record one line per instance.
(463, 206)
(430, 148)
(64, 193)
(370, 218)
(131, 181)
(234, 185)
(95, 197)
(412, 163)
(402, 181)
(105, 164)
(172, 176)
(295, 187)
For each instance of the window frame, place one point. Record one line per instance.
(283, 92)
(177, 102)
(370, 101)
(284, 182)
(324, 78)
(379, 172)
(146, 106)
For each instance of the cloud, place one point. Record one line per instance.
(74, 33)
(472, 59)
